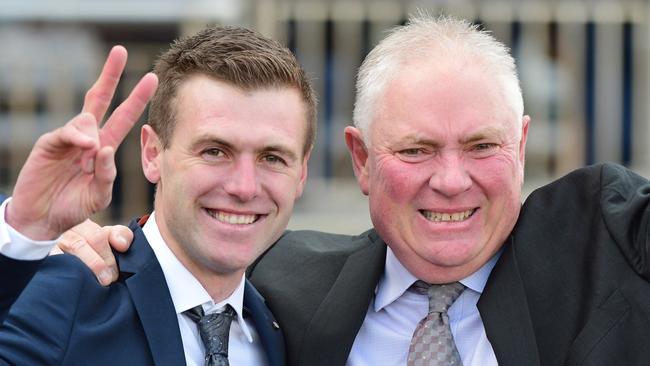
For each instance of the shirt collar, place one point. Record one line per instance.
(186, 291)
(4, 229)
(397, 279)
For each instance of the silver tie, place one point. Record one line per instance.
(432, 343)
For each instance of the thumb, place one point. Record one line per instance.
(120, 237)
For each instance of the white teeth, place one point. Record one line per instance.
(444, 216)
(232, 218)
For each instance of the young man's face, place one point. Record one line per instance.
(444, 169)
(228, 180)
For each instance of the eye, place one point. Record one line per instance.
(411, 151)
(413, 154)
(212, 153)
(273, 159)
(484, 146)
(484, 149)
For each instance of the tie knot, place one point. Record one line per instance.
(198, 316)
(440, 296)
(213, 329)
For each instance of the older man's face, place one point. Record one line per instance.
(444, 169)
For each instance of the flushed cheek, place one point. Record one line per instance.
(400, 181)
(498, 170)
(503, 193)
(510, 159)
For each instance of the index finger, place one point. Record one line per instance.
(98, 97)
(127, 114)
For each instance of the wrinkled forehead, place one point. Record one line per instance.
(427, 92)
(433, 69)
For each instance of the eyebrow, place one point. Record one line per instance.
(483, 134)
(209, 139)
(420, 140)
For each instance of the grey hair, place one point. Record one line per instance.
(434, 38)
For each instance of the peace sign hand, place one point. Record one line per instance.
(70, 171)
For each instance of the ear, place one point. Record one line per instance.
(303, 174)
(359, 155)
(151, 154)
(524, 137)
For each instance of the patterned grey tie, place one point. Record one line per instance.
(432, 343)
(214, 329)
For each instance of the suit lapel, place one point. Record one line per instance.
(331, 333)
(265, 325)
(504, 310)
(148, 288)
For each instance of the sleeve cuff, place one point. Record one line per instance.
(16, 245)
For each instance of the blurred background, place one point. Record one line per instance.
(583, 65)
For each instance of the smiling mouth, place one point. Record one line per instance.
(448, 216)
(233, 219)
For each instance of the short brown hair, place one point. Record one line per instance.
(235, 55)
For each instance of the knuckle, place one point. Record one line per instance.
(97, 265)
(86, 228)
(93, 94)
(90, 94)
(72, 246)
(99, 242)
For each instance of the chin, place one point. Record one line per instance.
(455, 259)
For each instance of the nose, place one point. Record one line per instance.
(242, 181)
(450, 177)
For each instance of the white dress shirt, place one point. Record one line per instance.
(17, 246)
(394, 313)
(244, 345)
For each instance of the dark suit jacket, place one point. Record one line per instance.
(64, 316)
(571, 287)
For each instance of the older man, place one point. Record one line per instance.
(230, 131)
(455, 271)
(439, 148)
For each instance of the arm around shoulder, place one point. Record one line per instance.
(36, 329)
(19, 260)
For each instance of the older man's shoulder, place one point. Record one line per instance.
(296, 249)
(602, 184)
(322, 242)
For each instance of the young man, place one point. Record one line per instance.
(230, 130)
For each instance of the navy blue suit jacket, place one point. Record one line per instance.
(63, 316)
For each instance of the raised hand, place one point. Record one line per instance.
(70, 171)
